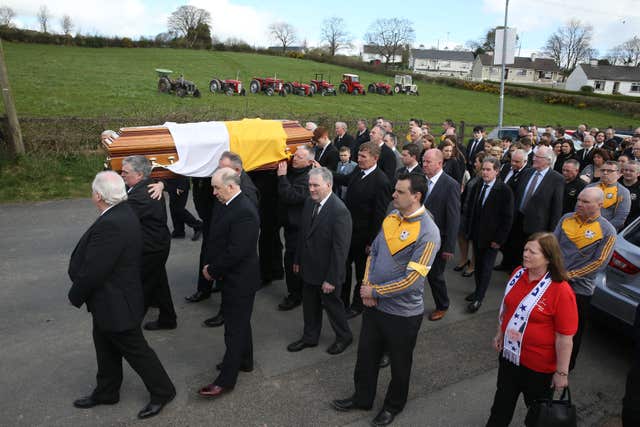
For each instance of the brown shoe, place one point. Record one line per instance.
(213, 391)
(437, 315)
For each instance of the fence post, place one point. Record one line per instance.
(14, 134)
(461, 133)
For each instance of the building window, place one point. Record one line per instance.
(522, 72)
(635, 87)
(598, 85)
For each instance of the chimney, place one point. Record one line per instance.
(533, 57)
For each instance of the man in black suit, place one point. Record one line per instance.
(585, 155)
(156, 241)
(343, 138)
(409, 156)
(293, 191)
(362, 136)
(474, 146)
(178, 189)
(207, 204)
(105, 271)
(511, 173)
(573, 185)
(538, 203)
(488, 218)
(323, 246)
(327, 154)
(232, 259)
(387, 160)
(368, 195)
(443, 201)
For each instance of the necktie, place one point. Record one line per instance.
(429, 185)
(530, 190)
(482, 194)
(361, 174)
(314, 214)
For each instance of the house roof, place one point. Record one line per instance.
(445, 55)
(542, 64)
(611, 72)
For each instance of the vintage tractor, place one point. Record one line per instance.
(404, 84)
(298, 88)
(179, 86)
(380, 88)
(268, 85)
(351, 84)
(321, 86)
(228, 87)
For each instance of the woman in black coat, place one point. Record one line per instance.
(453, 163)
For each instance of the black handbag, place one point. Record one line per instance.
(552, 413)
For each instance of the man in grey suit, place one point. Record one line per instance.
(443, 201)
(323, 245)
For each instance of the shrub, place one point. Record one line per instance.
(586, 89)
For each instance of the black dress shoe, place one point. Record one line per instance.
(383, 418)
(243, 368)
(156, 326)
(468, 273)
(89, 402)
(474, 306)
(289, 304)
(214, 322)
(345, 405)
(198, 296)
(471, 297)
(299, 345)
(339, 346)
(461, 267)
(197, 232)
(384, 360)
(151, 410)
(353, 312)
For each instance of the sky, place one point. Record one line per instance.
(437, 24)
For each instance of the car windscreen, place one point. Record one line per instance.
(633, 236)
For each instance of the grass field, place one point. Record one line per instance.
(54, 81)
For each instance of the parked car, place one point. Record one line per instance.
(499, 133)
(617, 292)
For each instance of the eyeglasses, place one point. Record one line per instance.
(608, 170)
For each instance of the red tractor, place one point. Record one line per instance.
(228, 87)
(380, 88)
(351, 84)
(298, 88)
(321, 86)
(268, 85)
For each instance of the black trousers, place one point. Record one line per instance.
(293, 280)
(513, 380)
(179, 214)
(131, 345)
(382, 331)
(313, 300)
(358, 256)
(156, 285)
(237, 312)
(485, 259)
(513, 247)
(438, 286)
(584, 303)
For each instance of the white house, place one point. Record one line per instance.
(370, 54)
(447, 63)
(607, 79)
(525, 70)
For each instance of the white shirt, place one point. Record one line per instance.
(234, 196)
(105, 211)
(368, 171)
(322, 202)
(542, 175)
(410, 169)
(431, 182)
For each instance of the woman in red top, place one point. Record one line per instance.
(538, 319)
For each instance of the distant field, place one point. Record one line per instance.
(54, 81)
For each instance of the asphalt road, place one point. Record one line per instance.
(47, 358)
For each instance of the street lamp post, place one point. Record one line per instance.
(504, 59)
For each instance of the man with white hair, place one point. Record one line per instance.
(343, 138)
(538, 201)
(586, 240)
(105, 271)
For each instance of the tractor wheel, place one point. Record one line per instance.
(355, 92)
(181, 92)
(371, 88)
(313, 88)
(335, 93)
(229, 91)
(269, 91)
(288, 87)
(196, 93)
(214, 85)
(164, 85)
(310, 92)
(243, 92)
(254, 86)
(343, 88)
(323, 92)
(282, 93)
(397, 88)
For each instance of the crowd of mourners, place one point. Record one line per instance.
(369, 218)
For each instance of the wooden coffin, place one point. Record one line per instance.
(156, 144)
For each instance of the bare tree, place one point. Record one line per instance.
(6, 16)
(570, 44)
(389, 36)
(628, 53)
(188, 22)
(43, 17)
(335, 35)
(67, 24)
(283, 33)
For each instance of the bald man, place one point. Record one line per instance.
(586, 240)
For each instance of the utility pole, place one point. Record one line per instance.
(15, 134)
(504, 59)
